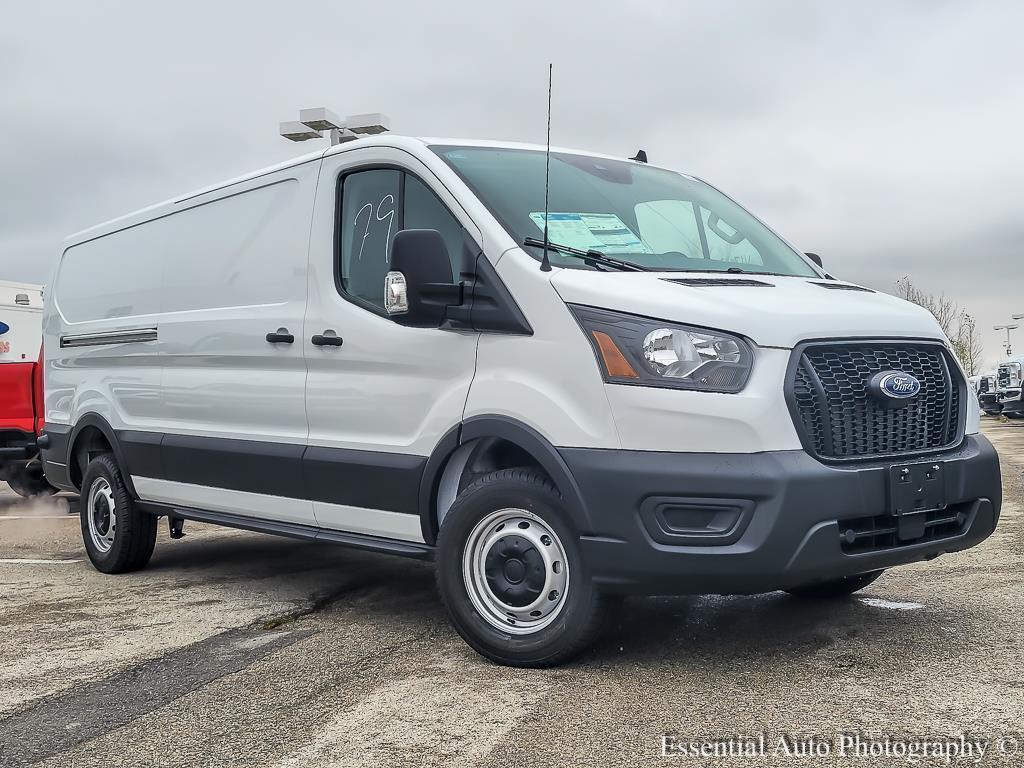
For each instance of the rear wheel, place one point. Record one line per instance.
(837, 587)
(118, 536)
(511, 574)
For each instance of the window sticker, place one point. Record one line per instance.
(604, 232)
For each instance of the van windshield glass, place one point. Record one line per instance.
(652, 217)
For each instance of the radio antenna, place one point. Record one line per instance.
(545, 264)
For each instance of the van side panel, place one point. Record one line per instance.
(236, 271)
(197, 287)
(105, 285)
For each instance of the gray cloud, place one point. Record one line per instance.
(883, 135)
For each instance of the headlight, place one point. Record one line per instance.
(636, 350)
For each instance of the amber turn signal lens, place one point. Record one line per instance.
(614, 363)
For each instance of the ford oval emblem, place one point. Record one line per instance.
(894, 388)
(4, 328)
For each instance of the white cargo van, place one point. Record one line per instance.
(367, 346)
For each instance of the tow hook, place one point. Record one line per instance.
(176, 526)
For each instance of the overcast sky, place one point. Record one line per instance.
(885, 136)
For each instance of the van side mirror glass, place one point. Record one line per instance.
(815, 258)
(420, 279)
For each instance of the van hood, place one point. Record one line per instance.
(771, 311)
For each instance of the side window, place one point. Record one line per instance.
(424, 211)
(376, 205)
(369, 221)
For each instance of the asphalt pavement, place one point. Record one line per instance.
(239, 649)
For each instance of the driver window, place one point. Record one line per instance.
(376, 205)
(369, 207)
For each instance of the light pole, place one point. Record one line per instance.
(312, 123)
(1007, 328)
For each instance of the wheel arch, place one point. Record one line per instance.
(486, 439)
(91, 435)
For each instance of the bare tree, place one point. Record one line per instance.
(967, 344)
(955, 321)
(944, 309)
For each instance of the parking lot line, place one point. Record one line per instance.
(38, 517)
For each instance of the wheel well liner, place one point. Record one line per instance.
(91, 435)
(519, 436)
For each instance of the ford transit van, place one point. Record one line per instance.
(373, 346)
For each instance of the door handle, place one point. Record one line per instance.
(280, 336)
(327, 339)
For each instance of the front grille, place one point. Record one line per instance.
(870, 534)
(838, 418)
(1008, 375)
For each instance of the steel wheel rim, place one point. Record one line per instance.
(101, 512)
(500, 570)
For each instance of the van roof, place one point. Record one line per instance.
(9, 291)
(386, 140)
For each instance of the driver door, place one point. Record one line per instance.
(379, 395)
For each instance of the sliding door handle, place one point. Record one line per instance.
(327, 339)
(280, 336)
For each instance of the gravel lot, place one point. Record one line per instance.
(239, 649)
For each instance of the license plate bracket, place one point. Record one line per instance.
(916, 488)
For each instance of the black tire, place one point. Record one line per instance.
(579, 617)
(134, 532)
(843, 587)
(29, 481)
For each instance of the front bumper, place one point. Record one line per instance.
(1012, 403)
(674, 523)
(989, 401)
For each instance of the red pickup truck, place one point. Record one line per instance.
(21, 388)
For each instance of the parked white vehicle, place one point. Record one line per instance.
(365, 346)
(1009, 379)
(988, 393)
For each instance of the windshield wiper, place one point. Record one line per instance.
(591, 256)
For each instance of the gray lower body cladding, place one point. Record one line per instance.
(670, 523)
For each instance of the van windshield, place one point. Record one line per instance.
(652, 217)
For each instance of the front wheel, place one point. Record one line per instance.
(836, 587)
(510, 572)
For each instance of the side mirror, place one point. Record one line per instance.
(815, 258)
(419, 287)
